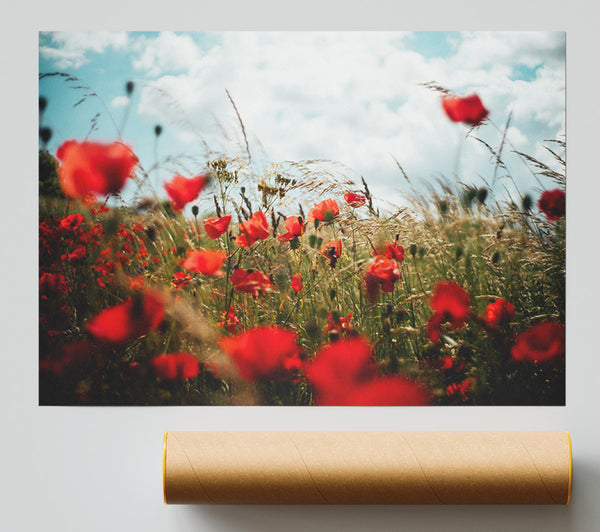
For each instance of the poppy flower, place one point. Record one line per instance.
(93, 168)
(182, 190)
(135, 317)
(231, 322)
(391, 250)
(552, 204)
(79, 253)
(498, 312)
(338, 324)
(269, 353)
(71, 222)
(250, 282)
(176, 366)
(461, 390)
(138, 283)
(297, 282)
(450, 303)
(53, 282)
(381, 273)
(343, 373)
(333, 251)
(355, 200)
(215, 227)
(542, 342)
(295, 228)
(205, 261)
(256, 228)
(324, 211)
(181, 279)
(467, 109)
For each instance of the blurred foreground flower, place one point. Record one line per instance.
(269, 353)
(182, 190)
(542, 342)
(176, 366)
(88, 169)
(205, 261)
(343, 373)
(467, 109)
(552, 204)
(135, 317)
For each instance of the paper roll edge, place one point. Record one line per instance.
(570, 467)
(164, 467)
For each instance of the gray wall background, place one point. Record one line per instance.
(99, 469)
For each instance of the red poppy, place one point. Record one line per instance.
(134, 317)
(138, 283)
(295, 228)
(391, 250)
(215, 227)
(337, 324)
(99, 210)
(53, 282)
(231, 322)
(500, 311)
(333, 251)
(542, 342)
(93, 168)
(450, 304)
(552, 204)
(256, 228)
(77, 254)
(467, 109)
(297, 282)
(263, 353)
(381, 272)
(71, 356)
(343, 373)
(355, 200)
(176, 367)
(182, 190)
(71, 222)
(205, 261)
(461, 390)
(250, 282)
(181, 279)
(325, 211)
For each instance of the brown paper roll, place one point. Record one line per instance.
(367, 467)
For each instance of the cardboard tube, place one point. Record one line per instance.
(367, 467)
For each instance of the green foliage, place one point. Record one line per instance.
(48, 175)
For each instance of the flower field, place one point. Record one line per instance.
(293, 288)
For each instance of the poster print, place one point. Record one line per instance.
(302, 218)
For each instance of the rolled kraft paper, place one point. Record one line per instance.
(367, 467)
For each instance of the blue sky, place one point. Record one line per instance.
(350, 97)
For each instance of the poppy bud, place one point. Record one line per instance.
(195, 210)
(319, 242)
(482, 194)
(413, 249)
(312, 240)
(157, 130)
(129, 87)
(526, 202)
(316, 222)
(45, 134)
(458, 252)
(43, 102)
(332, 294)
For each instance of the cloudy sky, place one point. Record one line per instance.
(352, 97)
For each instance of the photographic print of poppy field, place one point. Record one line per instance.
(213, 280)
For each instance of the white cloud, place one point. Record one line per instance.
(120, 101)
(168, 52)
(71, 49)
(355, 98)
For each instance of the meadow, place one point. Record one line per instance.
(293, 287)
